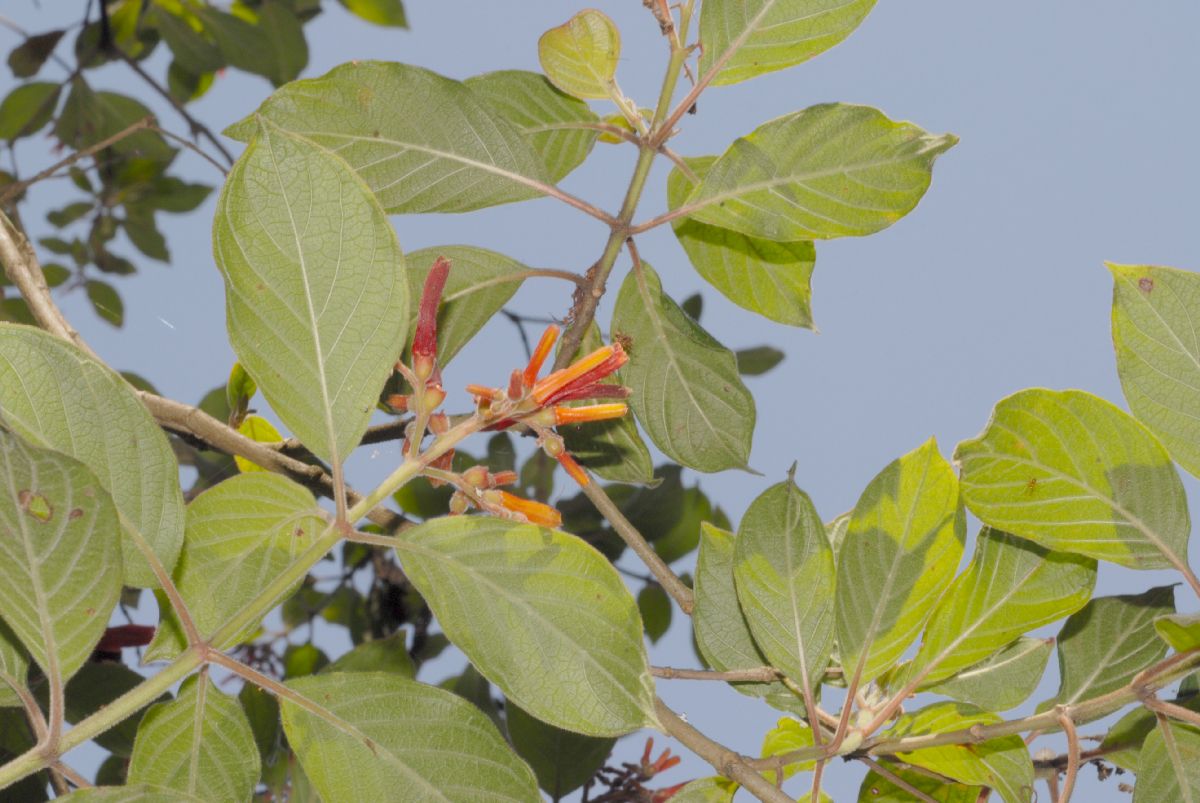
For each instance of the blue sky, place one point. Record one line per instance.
(1078, 145)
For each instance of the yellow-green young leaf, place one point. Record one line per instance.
(82, 408)
(834, 170)
(381, 655)
(239, 389)
(371, 736)
(612, 449)
(1003, 681)
(479, 285)
(539, 613)
(746, 38)
(1002, 764)
(1181, 631)
(580, 56)
(134, 793)
(1169, 768)
(315, 296)
(707, 790)
(422, 142)
(200, 743)
(771, 278)
(1010, 587)
(1110, 640)
(1158, 356)
(1074, 473)
(60, 557)
(14, 667)
(380, 12)
(788, 734)
(783, 570)
(561, 129)
(563, 761)
(259, 429)
(899, 553)
(877, 789)
(687, 393)
(722, 634)
(241, 534)
(26, 109)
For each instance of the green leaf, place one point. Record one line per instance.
(686, 390)
(259, 429)
(758, 360)
(106, 301)
(239, 389)
(1158, 356)
(170, 194)
(28, 57)
(60, 558)
(1002, 764)
(14, 667)
(193, 51)
(1074, 473)
(316, 299)
(422, 142)
(723, 637)
(27, 109)
(479, 285)
(303, 659)
(563, 761)
(1004, 680)
(1010, 587)
(89, 117)
(746, 38)
(137, 793)
(241, 534)
(572, 652)
(1110, 640)
(144, 234)
(371, 736)
(784, 573)
(559, 127)
(834, 170)
(580, 56)
(707, 790)
(612, 449)
(82, 408)
(1181, 631)
(380, 12)
(877, 789)
(199, 743)
(693, 305)
(900, 551)
(655, 607)
(262, 712)
(771, 278)
(1169, 768)
(381, 655)
(789, 734)
(273, 48)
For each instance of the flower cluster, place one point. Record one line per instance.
(527, 402)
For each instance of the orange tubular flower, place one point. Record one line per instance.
(534, 512)
(592, 412)
(573, 468)
(549, 337)
(581, 378)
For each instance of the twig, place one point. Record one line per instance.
(17, 188)
(1068, 726)
(187, 143)
(198, 128)
(759, 674)
(895, 779)
(634, 540)
(71, 775)
(732, 765)
(1171, 710)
